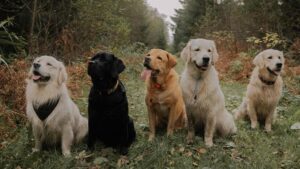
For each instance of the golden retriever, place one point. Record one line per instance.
(264, 89)
(164, 98)
(202, 94)
(53, 115)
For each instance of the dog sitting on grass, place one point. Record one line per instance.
(108, 106)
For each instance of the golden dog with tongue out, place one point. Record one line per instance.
(164, 97)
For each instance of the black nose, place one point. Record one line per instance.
(36, 65)
(147, 60)
(205, 60)
(279, 65)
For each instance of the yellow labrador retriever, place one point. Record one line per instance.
(202, 94)
(264, 89)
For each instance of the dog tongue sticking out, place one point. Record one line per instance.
(36, 77)
(146, 73)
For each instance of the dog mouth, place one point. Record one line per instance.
(275, 72)
(149, 71)
(202, 67)
(38, 77)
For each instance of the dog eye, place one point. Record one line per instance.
(158, 57)
(49, 64)
(208, 50)
(198, 49)
(270, 57)
(279, 57)
(148, 54)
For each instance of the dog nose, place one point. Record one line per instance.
(36, 65)
(279, 65)
(147, 60)
(205, 60)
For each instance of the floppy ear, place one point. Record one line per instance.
(258, 60)
(119, 67)
(186, 52)
(214, 52)
(171, 60)
(62, 74)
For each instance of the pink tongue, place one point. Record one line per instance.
(146, 73)
(36, 77)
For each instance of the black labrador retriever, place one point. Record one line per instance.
(108, 106)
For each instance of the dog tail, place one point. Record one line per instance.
(82, 129)
(241, 111)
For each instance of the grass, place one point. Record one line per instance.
(247, 149)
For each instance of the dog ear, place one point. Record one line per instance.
(186, 52)
(62, 74)
(171, 60)
(259, 60)
(214, 52)
(119, 67)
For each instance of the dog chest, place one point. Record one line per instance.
(162, 109)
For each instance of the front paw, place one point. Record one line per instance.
(268, 128)
(67, 153)
(151, 137)
(208, 142)
(36, 150)
(124, 150)
(190, 138)
(253, 125)
(170, 133)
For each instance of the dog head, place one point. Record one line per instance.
(159, 62)
(270, 59)
(46, 69)
(104, 69)
(201, 53)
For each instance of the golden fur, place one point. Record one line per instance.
(164, 98)
(202, 94)
(64, 125)
(261, 98)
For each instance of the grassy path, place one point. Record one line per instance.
(247, 149)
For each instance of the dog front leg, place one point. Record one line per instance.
(209, 131)
(252, 115)
(269, 120)
(67, 140)
(191, 127)
(38, 138)
(152, 124)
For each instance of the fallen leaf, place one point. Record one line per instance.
(181, 149)
(172, 150)
(100, 160)
(201, 150)
(195, 164)
(188, 154)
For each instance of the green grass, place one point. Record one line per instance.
(247, 149)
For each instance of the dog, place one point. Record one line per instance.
(202, 94)
(264, 89)
(53, 115)
(108, 106)
(164, 97)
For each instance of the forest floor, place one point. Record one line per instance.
(247, 149)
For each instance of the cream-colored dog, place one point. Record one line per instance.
(202, 94)
(264, 89)
(53, 115)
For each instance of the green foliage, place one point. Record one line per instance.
(8, 39)
(236, 66)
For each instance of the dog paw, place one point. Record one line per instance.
(170, 133)
(67, 154)
(35, 150)
(209, 144)
(189, 140)
(253, 125)
(151, 137)
(123, 150)
(268, 129)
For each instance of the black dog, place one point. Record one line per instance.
(108, 106)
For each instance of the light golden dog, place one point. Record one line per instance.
(264, 89)
(54, 117)
(164, 98)
(202, 94)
